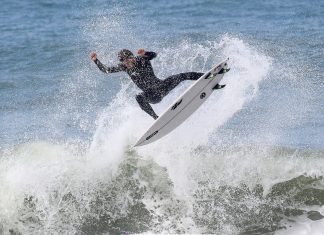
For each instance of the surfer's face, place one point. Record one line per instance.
(124, 59)
(129, 62)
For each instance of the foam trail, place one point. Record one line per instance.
(110, 139)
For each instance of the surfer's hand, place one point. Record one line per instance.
(93, 56)
(141, 52)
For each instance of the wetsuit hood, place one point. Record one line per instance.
(125, 54)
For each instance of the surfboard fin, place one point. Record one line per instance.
(217, 87)
(223, 71)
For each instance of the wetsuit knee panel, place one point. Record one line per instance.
(139, 98)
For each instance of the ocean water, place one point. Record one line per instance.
(249, 161)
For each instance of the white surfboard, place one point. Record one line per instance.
(185, 105)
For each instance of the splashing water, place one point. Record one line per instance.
(184, 183)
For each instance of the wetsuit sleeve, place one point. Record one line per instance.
(112, 69)
(150, 55)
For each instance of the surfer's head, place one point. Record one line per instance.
(124, 55)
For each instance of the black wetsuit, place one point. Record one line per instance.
(143, 76)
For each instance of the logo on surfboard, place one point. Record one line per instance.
(176, 105)
(151, 135)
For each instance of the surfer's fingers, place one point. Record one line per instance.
(93, 55)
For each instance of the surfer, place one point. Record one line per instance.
(140, 70)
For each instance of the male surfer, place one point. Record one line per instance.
(140, 70)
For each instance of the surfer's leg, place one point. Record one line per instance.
(191, 75)
(174, 80)
(144, 104)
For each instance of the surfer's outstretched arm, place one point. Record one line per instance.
(104, 68)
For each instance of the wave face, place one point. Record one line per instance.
(249, 161)
(242, 190)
